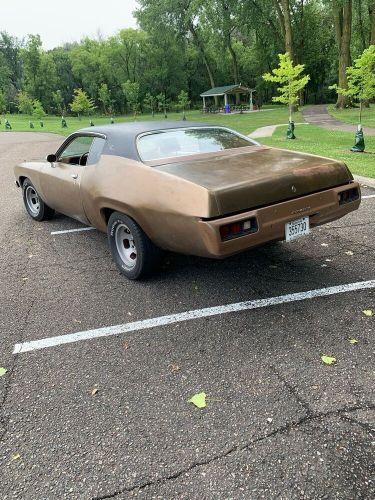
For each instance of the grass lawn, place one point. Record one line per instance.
(315, 140)
(245, 123)
(351, 115)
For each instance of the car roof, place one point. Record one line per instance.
(121, 137)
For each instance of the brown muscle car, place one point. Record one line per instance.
(196, 189)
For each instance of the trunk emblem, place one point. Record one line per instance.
(294, 189)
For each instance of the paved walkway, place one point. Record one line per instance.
(269, 130)
(318, 115)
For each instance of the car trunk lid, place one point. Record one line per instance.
(246, 178)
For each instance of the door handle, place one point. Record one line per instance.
(75, 176)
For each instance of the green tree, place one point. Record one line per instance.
(38, 111)
(40, 76)
(360, 79)
(163, 103)
(2, 102)
(183, 102)
(290, 80)
(131, 92)
(104, 96)
(58, 101)
(150, 102)
(82, 103)
(24, 103)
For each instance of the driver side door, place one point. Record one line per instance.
(60, 181)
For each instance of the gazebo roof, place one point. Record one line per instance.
(226, 89)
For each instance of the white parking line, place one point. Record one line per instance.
(73, 230)
(368, 196)
(35, 345)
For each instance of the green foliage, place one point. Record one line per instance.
(287, 75)
(361, 78)
(24, 103)
(58, 101)
(131, 92)
(163, 103)
(82, 103)
(104, 96)
(38, 111)
(39, 70)
(183, 100)
(150, 102)
(2, 101)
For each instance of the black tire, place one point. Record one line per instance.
(132, 250)
(35, 206)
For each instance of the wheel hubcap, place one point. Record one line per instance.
(126, 246)
(32, 200)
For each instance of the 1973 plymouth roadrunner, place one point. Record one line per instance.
(196, 189)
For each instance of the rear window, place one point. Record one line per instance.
(183, 142)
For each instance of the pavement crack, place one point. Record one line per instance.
(364, 425)
(237, 448)
(293, 390)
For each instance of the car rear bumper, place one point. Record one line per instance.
(321, 207)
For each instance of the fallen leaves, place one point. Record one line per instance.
(349, 252)
(2, 371)
(324, 244)
(199, 400)
(368, 313)
(353, 341)
(328, 360)
(16, 456)
(94, 391)
(175, 368)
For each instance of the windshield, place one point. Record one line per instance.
(183, 142)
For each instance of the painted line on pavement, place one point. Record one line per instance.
(35, 345)
(73, 230)
(368, 196)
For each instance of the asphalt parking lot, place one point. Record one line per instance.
(109, 417)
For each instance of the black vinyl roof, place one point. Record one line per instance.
(121, 137)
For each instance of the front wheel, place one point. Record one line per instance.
(34, 205)
(132, 250)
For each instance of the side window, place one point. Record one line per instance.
(77, 151)
(95, 151)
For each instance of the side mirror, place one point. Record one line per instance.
(51, 158)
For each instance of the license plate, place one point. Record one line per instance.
(297, 228)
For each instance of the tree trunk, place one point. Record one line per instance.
(342, 15)
(200, 47)
(288, 28)
(371, 11)
(362, 35)
(283, 12)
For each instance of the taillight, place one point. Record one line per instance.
(236, 229)
(348, 196)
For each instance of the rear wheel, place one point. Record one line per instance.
(132, 250)
(35, 206)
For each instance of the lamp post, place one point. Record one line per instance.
(251, 99)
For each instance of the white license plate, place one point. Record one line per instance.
(297, 228)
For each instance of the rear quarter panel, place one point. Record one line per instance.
(165, 206)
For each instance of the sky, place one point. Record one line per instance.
(66, 20)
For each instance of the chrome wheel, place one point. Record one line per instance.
(126, 246)
(32, 200)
